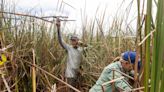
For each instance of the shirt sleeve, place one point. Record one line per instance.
(61, 41)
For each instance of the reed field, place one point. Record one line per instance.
(37, 61)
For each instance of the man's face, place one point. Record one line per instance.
(127, 66)
(74, 42)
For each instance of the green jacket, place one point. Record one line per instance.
(107, 75)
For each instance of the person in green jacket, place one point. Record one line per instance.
(125, 65)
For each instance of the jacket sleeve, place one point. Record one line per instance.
(122, 84)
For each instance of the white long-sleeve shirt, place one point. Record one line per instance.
(74, 58)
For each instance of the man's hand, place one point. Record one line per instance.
(80, 43)
(58, 23)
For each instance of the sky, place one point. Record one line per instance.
(80, 9)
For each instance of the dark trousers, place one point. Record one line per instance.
(72, 82)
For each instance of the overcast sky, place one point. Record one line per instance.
(77, 8)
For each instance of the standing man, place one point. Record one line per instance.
(74, 56)
(125, 64)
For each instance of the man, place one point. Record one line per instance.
(74, 56)
(125, 64)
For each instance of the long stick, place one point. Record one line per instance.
(109, 82)
(112, 81)
(37, 17)
(33, 73)
(5, 82)
(20, 14)
(146, 37)
(136, 89)
(53, 76)
(123, 74)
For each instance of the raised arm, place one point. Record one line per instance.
(61, 41)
